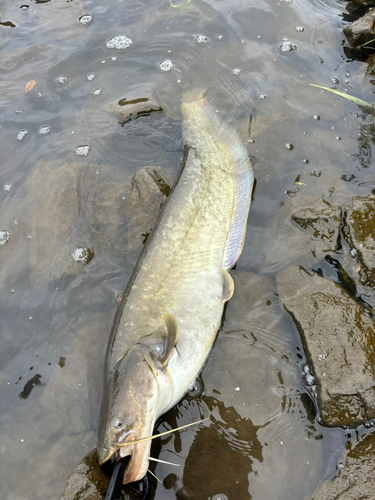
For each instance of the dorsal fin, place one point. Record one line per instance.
(171, 324)
(228, 285)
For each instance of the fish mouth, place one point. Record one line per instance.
(138, 454)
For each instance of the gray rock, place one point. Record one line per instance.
(356, 478)
(150, 187)
(339, 337)
(88, 482)
(322, 222)
(125, 110)
(362, 30)
(65, 207)
(87, 479)
(359, 231)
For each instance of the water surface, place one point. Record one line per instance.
(63, 186)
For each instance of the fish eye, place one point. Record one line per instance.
(117, 424)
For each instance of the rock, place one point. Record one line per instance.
(125, 110)
(65, 207)
(356, 478)
(362, 30)
(249, 387)
(339, 340)
(322, 222)
(88, 482)
(150, 187)
(359, 231)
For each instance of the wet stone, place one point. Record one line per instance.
(356, 477)
(88, 482)
(339, 339)
(322, 222)
(150, 187)
(362, 30)
(127, 109)
(359, 231)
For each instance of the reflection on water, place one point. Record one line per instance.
(69, 146)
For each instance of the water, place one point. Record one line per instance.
(263, 440)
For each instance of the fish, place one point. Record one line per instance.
(171, 309)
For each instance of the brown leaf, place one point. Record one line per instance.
(30, 85)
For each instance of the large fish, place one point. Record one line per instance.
(171, 310)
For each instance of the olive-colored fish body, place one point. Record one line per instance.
(171, 311)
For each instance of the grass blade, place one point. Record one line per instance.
(345, 96)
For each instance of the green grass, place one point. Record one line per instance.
(345, 96)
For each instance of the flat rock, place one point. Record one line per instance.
(65, 207)
(125, 109)
(322, 222)
(359, 231)
(149, 189)
(339, 339)
(362, 30)
(356, 479)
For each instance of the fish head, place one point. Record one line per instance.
(130, 407)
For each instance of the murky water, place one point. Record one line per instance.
(66, 163)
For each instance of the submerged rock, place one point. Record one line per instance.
(125, 109)
(339, 338)
(359, 231)
(65, 207)
(362, 30)
(322, 222)
(150, 187)
(356, 477)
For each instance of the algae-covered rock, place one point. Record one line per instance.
(356, 477)
(339, 338)
(359, 231)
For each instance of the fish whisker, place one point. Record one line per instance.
(128, 443)
(163, 461)
(152, 474)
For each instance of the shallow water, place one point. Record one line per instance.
(63, 186)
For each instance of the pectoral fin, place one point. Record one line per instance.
(171, 324)
(228, 285)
